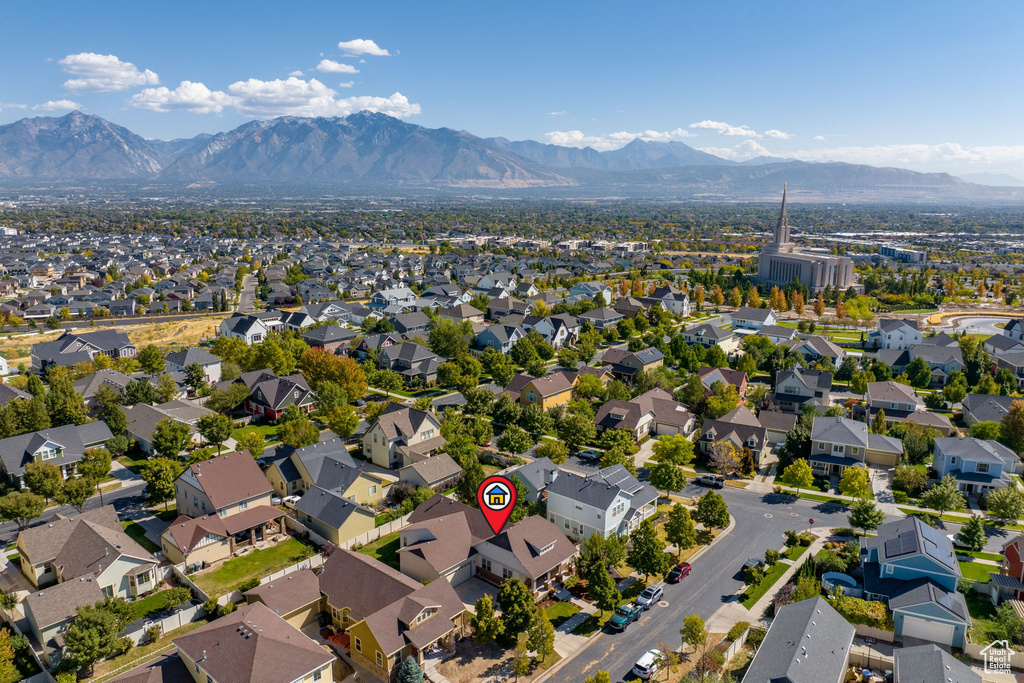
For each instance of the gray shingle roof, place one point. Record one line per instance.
(330, 507)
(928, 664)
(18, 451)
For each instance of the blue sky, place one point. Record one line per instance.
(925, 85)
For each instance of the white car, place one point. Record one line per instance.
(956, 543)
(290, 501)
(647, 665)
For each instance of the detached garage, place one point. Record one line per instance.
(294, 597)
(928, 612)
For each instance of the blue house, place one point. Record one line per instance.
(979, 466)
(913, 568)
(499, 337)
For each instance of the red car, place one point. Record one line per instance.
(678, 572)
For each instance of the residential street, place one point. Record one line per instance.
(714, 581)
(247, 296)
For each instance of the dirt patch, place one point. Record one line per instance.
(474, 663)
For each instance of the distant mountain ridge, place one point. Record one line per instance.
(370, 150)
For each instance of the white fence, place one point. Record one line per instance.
(308, 563)
(734, 646)
(170, 623)
(369, 537)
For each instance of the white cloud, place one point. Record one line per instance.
(58, 105)
(11, 105)
(103, 73)
(778, 135)
(726, 129)
(556, 113)
(362, 46)
(297, 72)
(331, 67)
(296, 97)
(346, 84)
(602, 143)
(748, 149)
(192, 97)
(819, 138)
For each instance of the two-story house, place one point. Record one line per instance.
(653, 412)
(739, 427)
(401, 436)
(941, 360)
(979, 466)
(609, 502)
(747, 318)
(270, 395)
(70, 349)
(839, 442)
(558, 330)
(1014, 329)
(330, 338)
(412, 361)
(672, 299)
(248, 328)
(411, 324)
(61, 446)
(398, 618)
(797, 386)
(374, 342)
(897, 401)
(327, 464)
(895, 333)
(177, 361)
(626, 365)
(914, 569)
(708, 335)
(551, 390)
(223, 503)
(499, 337)
(602, 318)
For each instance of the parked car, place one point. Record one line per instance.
(624, 616)
(678, 572)
(650, 595)
(647, 665)
(290, 501)
(754, 563)
(957, 543)
(590, 453)
(360, 403)
(715, 481)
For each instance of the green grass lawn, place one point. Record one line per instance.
(560, 612)
(753, 593)
(384, 549)
(977, 571)
(983, 617)
(138, 534)
(143, 607)
(995, 557)
(795, 552)
(592, 624)
(821, 498)
(257, 563)
(491, 469)
(269, 432)
(168, 515)
(132, 464)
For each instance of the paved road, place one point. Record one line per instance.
(714, 581)
(247, 297)
(978, 324)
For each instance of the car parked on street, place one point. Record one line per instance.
(715, 481)
(650, 595)
(754, 563)
(647, 665)
(624, 616)
(678, 572)
(590, 453)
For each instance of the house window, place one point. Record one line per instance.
(618, 509)
(855, 450)
(485, 564)
(222, 512)
(209, 679)
(566, 524)
(372, 490)
(50, 453)
(243, 505)
(197, 668)
(983, 467)
(821, 446)
(506, 573)
(318, 675)
(837, 448)
(380, 658)
(359, 645)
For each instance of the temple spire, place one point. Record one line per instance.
(782, 227)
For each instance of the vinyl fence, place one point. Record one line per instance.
(369, 537)
(308, 563)
(734, 646)
(170, 623)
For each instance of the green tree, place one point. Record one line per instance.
(535, 420)
(8, 671)
(447, 338)
(599, 677)
(388, 380)
(195, 376)
(76, 492)
(646, 552)
(141, 391)
(343, 420)
(972, 534)
(151, 360)
(693, 632)
(94, 465)
(472, 476)
(116, 420)
(159, 475)
(667, 477)
(117, 445)
(798, 475)
(1012, 427)
(680, 529)
(602, 588)
(506, 411)
(855, 482)
(908, 479)
(21, 507)
(166, 388)
(944, 496)
(575, 431)
(521, 663)
(91, 637)
(712, 511)
(215, 428)
(227, 400)
(864, 515)
(514, 440)
(555, 451)
(253, 441)
(541, 635)
(170, 437)
(1006, 504)
(485, 623)
(409, 672)
(597, 548)
(878, 425)
(300, 432)
(918, 372)
(63, 403)
(43, 479)
(987, 430)
(517, 607)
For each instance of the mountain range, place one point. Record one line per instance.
(370, 150)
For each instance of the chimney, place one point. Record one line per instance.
(552, 475)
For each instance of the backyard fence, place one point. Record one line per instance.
(179, 573)
(734, 646)
(309, 563)
(362, 539)
(167, 624)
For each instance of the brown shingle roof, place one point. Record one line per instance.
(288, 593)
(362, 584)
(188, 531)
(253, 645)
(230, 478)
(526, 539)
(59, 602)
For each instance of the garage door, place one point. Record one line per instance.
(933, 631)
(463, 573)
(876, 458)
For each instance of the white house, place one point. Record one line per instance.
(747, 318)
(608, 502)
(895, 333)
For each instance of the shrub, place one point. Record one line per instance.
(756, 636)
(124, 645)
(226, 609)
(900, 496)
(842, 531)
(571, 581)
(153, 634)
(806, 538)
(784, 596)
(771, 556)
(869, 613)
(792, 538)
(832, 561)
(807, 587)
(210, 606)
(712, 661)
(737, 630)
(250, 584)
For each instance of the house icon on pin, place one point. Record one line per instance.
(496, 495)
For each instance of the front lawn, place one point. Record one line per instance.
(138, 534)
(977, 571)
(560, 612)
(269, 431)
(795, 552)
(132, 464)
(258, 563)
(592, 624)
(754, 593)
(168, 515)
(384, 549)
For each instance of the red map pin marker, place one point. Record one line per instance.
(497, 497)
